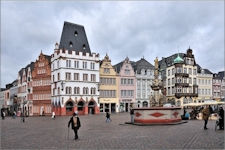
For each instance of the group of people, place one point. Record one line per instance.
(207, 112)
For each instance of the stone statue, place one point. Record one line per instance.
(156, 63)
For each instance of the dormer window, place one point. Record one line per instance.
(84, 46)
(71, 44)
(75, 33)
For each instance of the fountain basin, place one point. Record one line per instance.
(158, 115)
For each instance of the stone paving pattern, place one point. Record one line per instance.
(95, 133)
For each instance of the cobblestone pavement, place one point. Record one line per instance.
(95, 133)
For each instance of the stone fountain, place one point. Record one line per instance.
(156, 114)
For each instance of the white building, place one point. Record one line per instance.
(144, 73)
(75, 74)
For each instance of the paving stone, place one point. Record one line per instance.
(45, 133)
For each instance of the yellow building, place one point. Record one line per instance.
(108, 88)
(204, 85)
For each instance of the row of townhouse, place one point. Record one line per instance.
(75, 79)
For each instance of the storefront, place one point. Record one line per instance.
(107, 107)
(125, 105)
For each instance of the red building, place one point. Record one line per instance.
(41, 83)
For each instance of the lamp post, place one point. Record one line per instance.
(24, 103)
(62, 85)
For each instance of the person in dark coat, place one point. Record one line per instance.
(206, 114)
(221, 120)
(75, 121)
(108, 117)
(210, 109)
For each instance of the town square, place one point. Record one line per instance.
(94, 133)
(112, 75)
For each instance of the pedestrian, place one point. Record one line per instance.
(210, 109)
(206, 114)
(132, 115)
(2, 115)
(107, 117)
(75, 121)
(14, 114)
(221, 120)
(53, 114)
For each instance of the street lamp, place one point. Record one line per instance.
(62, 84)
(24, 103)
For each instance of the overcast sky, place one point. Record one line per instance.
(129, 28)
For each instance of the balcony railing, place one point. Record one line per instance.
(182, 74)
(182, 84)
(179, 95)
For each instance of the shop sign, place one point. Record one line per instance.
(106, 100)
(126, 100)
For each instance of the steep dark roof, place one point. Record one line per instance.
(31, 67)
(141, 64)
(118, 66)
(21, 74)
(220, 75)
(170, 60)
(48, 58)
(68, 35)
(207, 71)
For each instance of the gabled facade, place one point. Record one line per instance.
(109, 94)
(40, 86)
(24, 101)
(75, 74)
(144, 73)
(127, 88)
(218, 86)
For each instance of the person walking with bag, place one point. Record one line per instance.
(108, 117)
(75, 121)
(221, 120)
(132, 115)
(206, 114)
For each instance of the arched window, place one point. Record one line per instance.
(75, 33)
(94, 91)
(71, 44)
(84, 91)
(67, 90)
(69, 106)
(80, 105)
(173, 101)
(75, 90)
(70, 90)
(78, 90)
(190, 100)
(67, 63)
(84, 46)
(145, 104)
(178, 103)
(185, 101)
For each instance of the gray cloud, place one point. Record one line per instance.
(128, 28)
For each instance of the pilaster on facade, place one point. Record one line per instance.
(144, 74)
